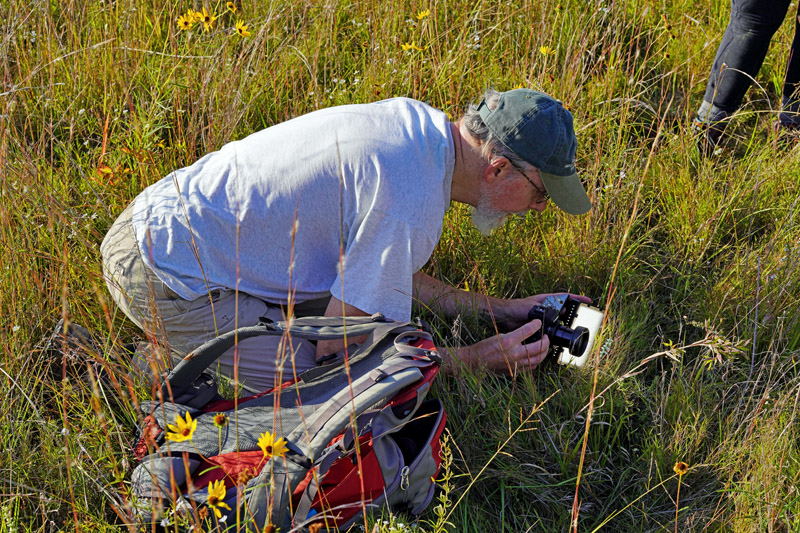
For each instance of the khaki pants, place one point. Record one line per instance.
(167, 319)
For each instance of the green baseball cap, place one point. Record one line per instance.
(537, 128)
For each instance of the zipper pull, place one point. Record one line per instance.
(404, 478)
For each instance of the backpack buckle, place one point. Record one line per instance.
(402, 344)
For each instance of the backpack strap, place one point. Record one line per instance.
(271, 490)
(311, 328)
(325, 423)
(332, 363)
(307, 498)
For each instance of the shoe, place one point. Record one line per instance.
(72, 348)
(708, 136)
(72, 341)
(786, 135)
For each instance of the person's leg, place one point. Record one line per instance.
(790, 104)
(740, 55)
(133, 286)
(184, 325)
(257, 363)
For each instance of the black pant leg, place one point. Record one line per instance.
(743, 48)
(790, 105)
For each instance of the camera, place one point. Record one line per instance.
(570, 325)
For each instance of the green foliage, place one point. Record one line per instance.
(696, 261)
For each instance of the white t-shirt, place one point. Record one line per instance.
(367, 185)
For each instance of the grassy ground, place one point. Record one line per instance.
(696, 261)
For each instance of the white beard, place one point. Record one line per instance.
(486, 218)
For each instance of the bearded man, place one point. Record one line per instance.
(335, 213)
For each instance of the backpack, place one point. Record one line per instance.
(315, 452)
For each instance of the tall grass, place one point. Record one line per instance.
(696, 261)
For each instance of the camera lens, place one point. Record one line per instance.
(575, 340)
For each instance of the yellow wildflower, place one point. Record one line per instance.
(185, 22)
(409, 46)
(220, 420)
(272, 447)
(425, 13)
(216, 495)
(183, 430)
(241, 29)
(207, 19)
(680, 468)
(546, 50)
(196, 16)
(231, 7)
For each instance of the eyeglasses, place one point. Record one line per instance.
(543, 196)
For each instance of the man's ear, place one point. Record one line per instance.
(497, 169)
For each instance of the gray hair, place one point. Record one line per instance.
(491, 146)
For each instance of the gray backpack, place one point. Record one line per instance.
(347, 436)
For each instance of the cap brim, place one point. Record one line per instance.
(567, 193)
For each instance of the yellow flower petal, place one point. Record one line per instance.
(241, 29)
(270, 446)
(185, 22)
(182, 430)
(280, 448)
(409, 46)
(216, 495)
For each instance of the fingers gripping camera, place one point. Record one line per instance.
(571, 327)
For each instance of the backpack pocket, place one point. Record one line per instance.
(399, 463)
(417, 442)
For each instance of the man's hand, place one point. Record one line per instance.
(506, 353)
(514, 313)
